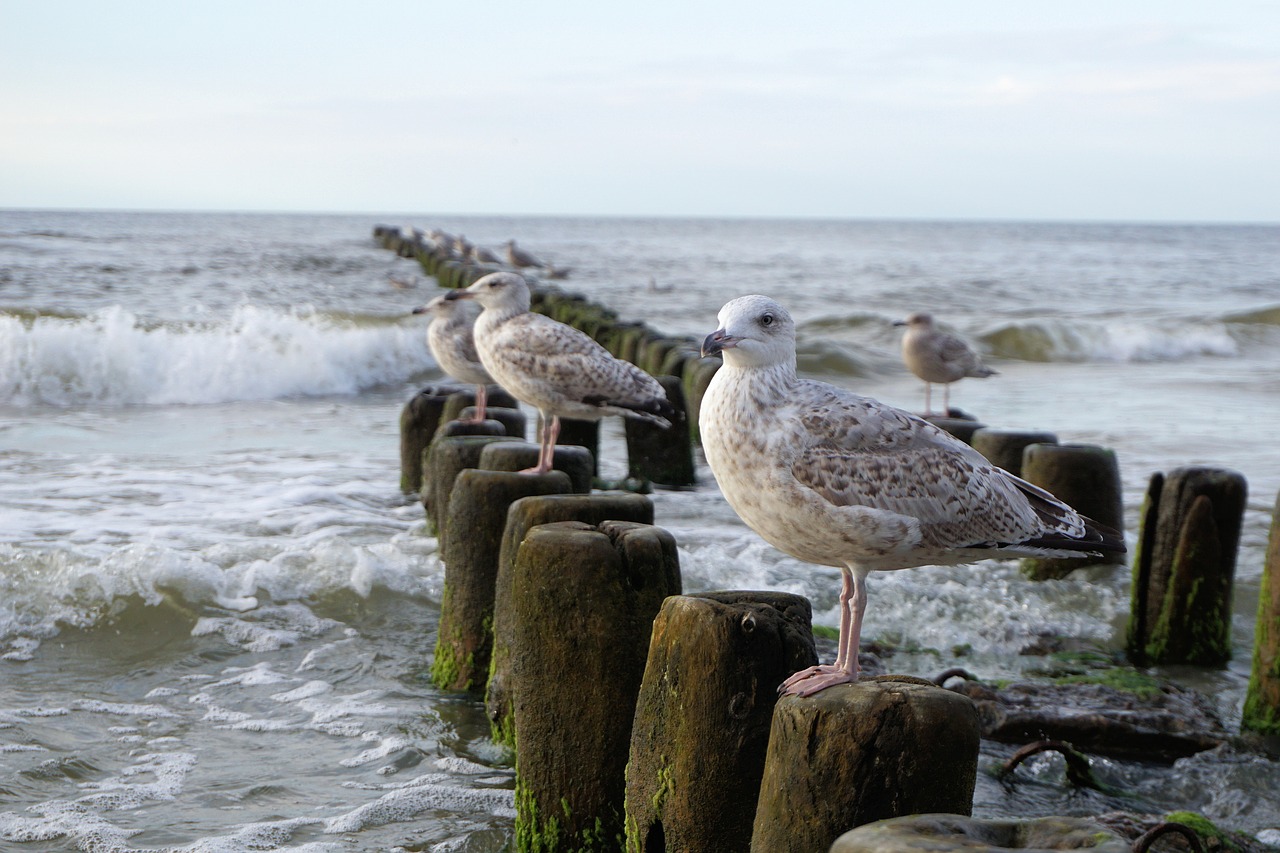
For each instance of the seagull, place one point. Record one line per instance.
(481, 255)
(936, 356)
(518, 257)
(453, 345)
(837, 479)
(553, 367)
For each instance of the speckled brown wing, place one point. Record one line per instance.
(854, 452)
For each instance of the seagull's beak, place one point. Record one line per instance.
(421, 309)
(899, 322)
(454, 295)
(717, 341)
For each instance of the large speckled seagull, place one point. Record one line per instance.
(938, 356)
(837, 479)
(553, 367)
(452, 342)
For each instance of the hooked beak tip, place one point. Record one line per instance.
(718, 341)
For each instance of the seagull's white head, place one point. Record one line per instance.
(503, 292)
(754, 331)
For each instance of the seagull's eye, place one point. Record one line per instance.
(766, 319)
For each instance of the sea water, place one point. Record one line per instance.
(218, 610)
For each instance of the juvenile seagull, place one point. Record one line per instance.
(453, 345)
(936, 356)
(555, 368)
(518, 257)
(841, 480)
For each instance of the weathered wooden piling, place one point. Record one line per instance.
(1004, 447)
(584, 600)
(422, 416)
(696, 377)
(662, 455)
(418, 421)
(443, 460)
(574, 461)
(524, 515)
(940, 833)
(576, 433)
(702, 718)
(857, 753)
(1180, 608)
(477, 514)
(1086, 478)
(1262, 702)
(962, 428)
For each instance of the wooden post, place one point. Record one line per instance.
(857, 753)
(702, 718)
(524, 515)
(658, 454)
(575, 433)
(1180, 611)
(1004, 447)
(447, 456)
(478, 506)
(519, 455)
(1262, 702)
(584, 600)
(418, 421)
(697, 376)
(939, 833)
(1087, 479)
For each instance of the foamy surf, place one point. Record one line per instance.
(113, 357)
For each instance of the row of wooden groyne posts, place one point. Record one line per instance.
(646, 719)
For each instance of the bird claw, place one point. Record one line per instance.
(815, 679)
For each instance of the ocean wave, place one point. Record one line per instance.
(113, 357)
(253, 600)
(1059, 340)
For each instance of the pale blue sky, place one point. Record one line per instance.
(849, 108)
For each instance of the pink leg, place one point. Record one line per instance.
(853, 604)
(928, 406)
(946, 399)
(548, 431)
(482, 401)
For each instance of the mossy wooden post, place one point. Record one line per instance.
(447, 456)
(524, 515)
(1262, 702)
(697, 376)
(477, 515)
(584, 600)
(1180, 610)
(856, 753)
(939, 833)
(1086, 478)
(702, 718)
(963, 428)
(499, 406)
(1004, 447)
(418, 421)
(575, 433)
(662, 455)
(519, 455)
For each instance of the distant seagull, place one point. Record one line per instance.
(556, 273)
(519, 258)
(841, 480)
(553, 367)
(936, 356)
(452, 342)
(481, 255)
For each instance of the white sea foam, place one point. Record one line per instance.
(112, 357)
(1125, 340)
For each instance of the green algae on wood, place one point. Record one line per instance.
(583, 601)
(1262, 701)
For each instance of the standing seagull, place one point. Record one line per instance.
(453, 345)
(553, 367)
(519, 258)
(841, 480)
(936, 356)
